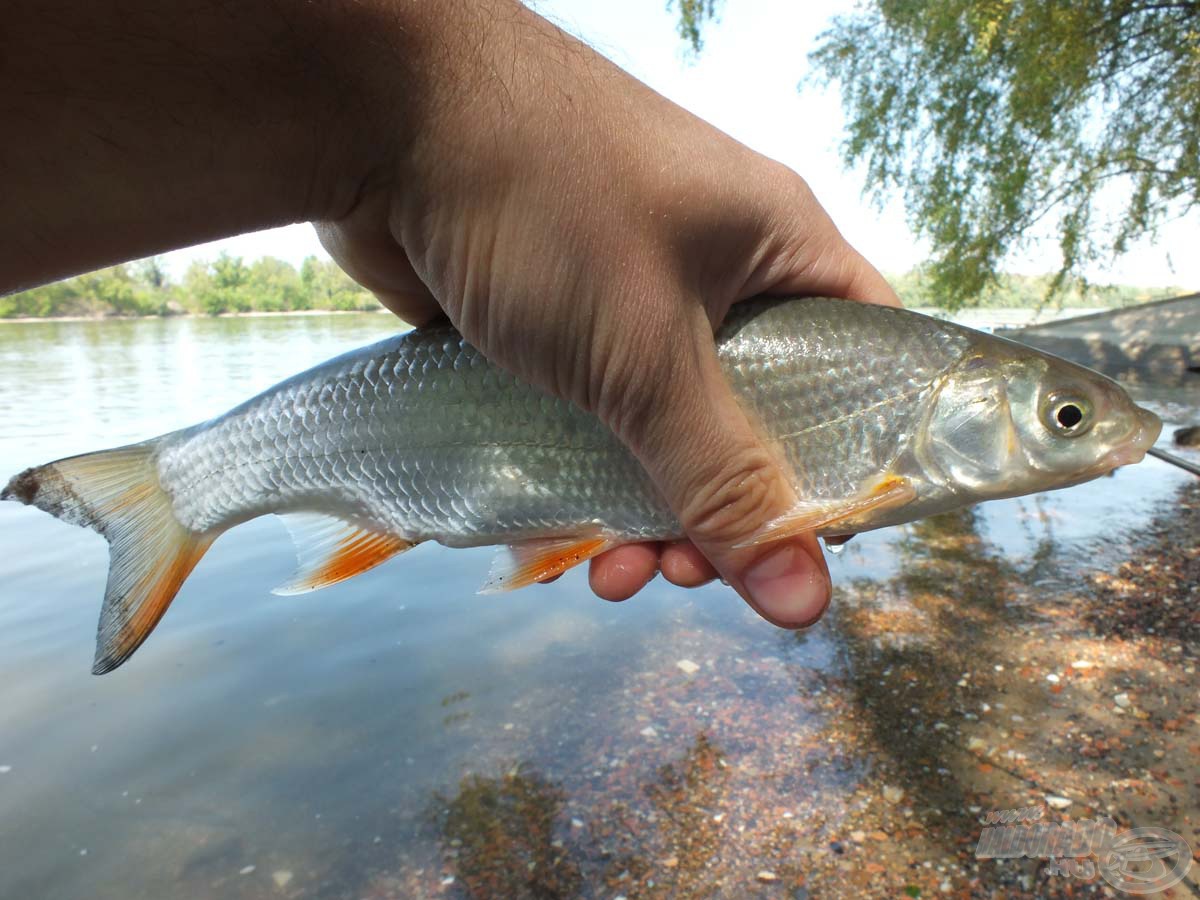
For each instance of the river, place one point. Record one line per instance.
(398, 735)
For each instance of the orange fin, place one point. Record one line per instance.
(836, 516)
(117, 493)
(532, 561)
(332, 550)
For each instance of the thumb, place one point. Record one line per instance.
(722, 480)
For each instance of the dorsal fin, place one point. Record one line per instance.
(528, 562)
(330, 550)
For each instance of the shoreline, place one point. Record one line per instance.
(254, 314)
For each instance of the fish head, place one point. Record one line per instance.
(1009, 420)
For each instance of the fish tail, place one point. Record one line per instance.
(117, 493)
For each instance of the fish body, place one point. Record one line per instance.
(879, 415)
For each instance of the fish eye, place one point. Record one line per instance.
(1067, 415)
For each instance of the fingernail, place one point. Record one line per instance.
(788, 586)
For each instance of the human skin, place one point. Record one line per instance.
(462, 157)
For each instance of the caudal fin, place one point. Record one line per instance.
(116, 492)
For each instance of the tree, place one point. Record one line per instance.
(996, 118)
(326, 286)
(692, 15)
(275, 286)
(220, 286)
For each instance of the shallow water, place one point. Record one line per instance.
(340, 743)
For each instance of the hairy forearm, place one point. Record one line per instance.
(135, 126)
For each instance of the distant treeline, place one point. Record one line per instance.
(1032, 291)
(224, 285)
(230, 285)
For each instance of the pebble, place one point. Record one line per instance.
(246, 870)
(649, 732)
(976, 743)
(687, 667)
(858, 836)
(1122, 700)
(1187, 437)
(576, 823)
(1052, 678)
(1057, 802)
(766, 876)
(281, 877)
(1083, 664)
(447, 881)
(892, 794)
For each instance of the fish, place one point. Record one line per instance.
(878, 415)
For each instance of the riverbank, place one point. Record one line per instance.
(257, 314)
(969, 684)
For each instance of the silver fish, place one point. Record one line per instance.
(881, 415)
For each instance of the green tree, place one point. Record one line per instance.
(327, 287)
(220, 286)
(998, 118)
(275, 286)
(692, 16)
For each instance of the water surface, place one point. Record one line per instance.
(399, 735)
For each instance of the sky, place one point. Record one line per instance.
(745, 82)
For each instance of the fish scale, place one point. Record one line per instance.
(421, 436)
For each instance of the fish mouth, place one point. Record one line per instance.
(1133, 451)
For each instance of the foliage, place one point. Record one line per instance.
(328, 287)
(224, 285)
(919, 287)
(121, 290)
(692, 16)
(1001, 120)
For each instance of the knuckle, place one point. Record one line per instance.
(732, 500)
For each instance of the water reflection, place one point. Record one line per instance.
(397, 736)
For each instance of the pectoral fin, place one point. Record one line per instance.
(839, 514)
(332, 550)
(528, 562)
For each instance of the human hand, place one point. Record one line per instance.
(589, 236)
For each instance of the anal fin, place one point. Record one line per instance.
(528, 562)
(332, 550)
(838, 515)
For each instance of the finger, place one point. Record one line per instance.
(620, 573)
(370, 256)
(683, 564)
(680, 417)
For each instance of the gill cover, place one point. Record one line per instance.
(971, 439)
